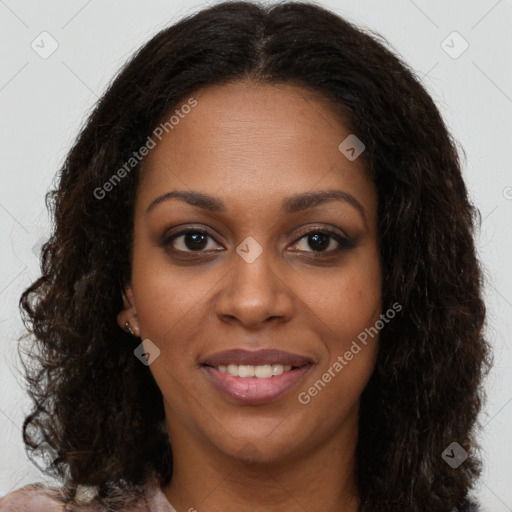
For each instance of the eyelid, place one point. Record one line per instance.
(334, 230)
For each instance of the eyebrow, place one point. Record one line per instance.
(291, 204)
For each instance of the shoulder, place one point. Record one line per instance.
(38, 498)
(32, 498)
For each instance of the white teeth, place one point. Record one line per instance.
(263, 371)
(232, 369)
(245, 371)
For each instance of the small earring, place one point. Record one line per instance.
(128, 328)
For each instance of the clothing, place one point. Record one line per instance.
(41, 498)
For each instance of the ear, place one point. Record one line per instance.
(128, 315)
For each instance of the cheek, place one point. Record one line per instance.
(347, 312)
(345, 307)
(345, 301)
(170, 309)
(167, 297)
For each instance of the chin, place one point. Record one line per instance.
(262, 449)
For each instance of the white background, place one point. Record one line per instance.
(43, 103)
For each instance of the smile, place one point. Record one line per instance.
(258, 388)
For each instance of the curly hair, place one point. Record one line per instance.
(102, 411)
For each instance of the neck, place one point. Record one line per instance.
(317, 479)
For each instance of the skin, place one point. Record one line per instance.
(252, 146)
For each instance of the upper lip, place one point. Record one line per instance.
(256, 358)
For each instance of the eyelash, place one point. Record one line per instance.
(343, 243)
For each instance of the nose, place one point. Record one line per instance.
(254, 294)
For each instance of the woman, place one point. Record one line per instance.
(261, 292)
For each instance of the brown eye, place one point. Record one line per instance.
(320, 241)
(190, 240)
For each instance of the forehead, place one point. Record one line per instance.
(247, 140)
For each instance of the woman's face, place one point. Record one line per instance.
(247, 276)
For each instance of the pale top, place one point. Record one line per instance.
(42, 498)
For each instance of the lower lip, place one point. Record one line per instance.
(253, 390)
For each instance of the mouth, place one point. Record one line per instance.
(245, 377)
